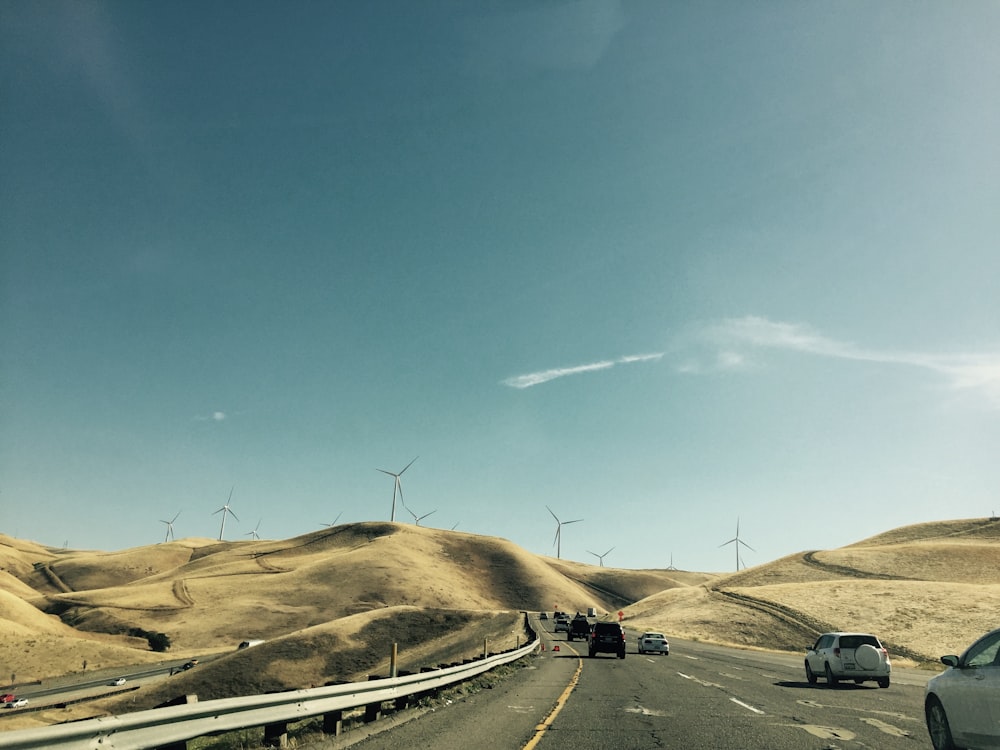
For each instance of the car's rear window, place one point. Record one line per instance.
(853, 641)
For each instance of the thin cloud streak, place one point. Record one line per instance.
(963, 371)
(544, 376)
(215, 416)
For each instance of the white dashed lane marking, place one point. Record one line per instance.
(747, 706)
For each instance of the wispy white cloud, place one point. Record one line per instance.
(963, 371)
(733, 341)
(544, 376)
(215, 416)
(630, 358)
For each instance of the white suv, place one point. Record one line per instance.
(848, 656)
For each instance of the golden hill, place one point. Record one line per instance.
(328, 603)
(925, 590)
(209, 596)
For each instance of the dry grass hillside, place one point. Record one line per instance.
(926, 590)
(329, 604)
(209, 596)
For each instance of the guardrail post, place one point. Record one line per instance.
(276, 735)
(392, 662)
(373, 711)
(180, 700)
(402, 701)
(433, 691)
(333, 723)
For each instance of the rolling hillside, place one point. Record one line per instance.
(328, 604)
(926, 590)
(209, 596)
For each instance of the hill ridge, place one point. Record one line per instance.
(208, 596)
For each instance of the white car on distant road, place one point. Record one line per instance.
(848, 656)
(17, 703)
(962, 704)
(654, 643)
(120, 681)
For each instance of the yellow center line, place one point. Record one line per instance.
(560, 702)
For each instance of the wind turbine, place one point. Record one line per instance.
(417, 519)
(601, 557)
(170, 527)
(738, 542)
(331, 525)
(396, 486)
(253, 532)
(559, 525)
(225, 510)
(671, 566)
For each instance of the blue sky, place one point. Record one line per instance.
(661, 267)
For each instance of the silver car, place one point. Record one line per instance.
(848, 656)
(962, 704)
(654, 643)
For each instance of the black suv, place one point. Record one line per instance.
(579, 627)
(607, 638)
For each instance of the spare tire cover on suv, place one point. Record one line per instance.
(867, 656)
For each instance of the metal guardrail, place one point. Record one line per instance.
(172, 725)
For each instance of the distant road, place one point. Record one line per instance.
(701, 697)
(83, 686)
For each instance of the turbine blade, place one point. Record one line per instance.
(553, 514)
(574, 521)
(409, 465)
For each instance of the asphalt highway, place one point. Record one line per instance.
(700, 697)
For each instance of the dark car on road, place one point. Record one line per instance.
(607, 638)
(579, 627)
